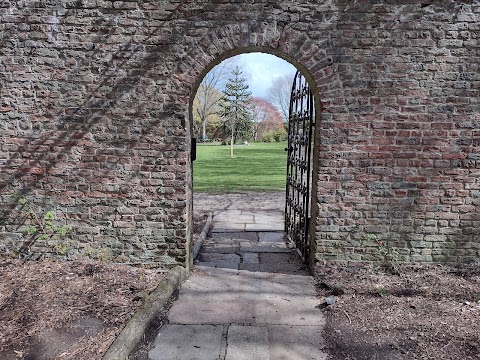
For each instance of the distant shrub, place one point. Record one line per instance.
(280, 134)
(268, 137)
(277, 135)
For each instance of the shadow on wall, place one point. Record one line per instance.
(49, 161)
(44, 154)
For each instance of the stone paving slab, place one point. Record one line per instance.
(288, 311)
(264, 227)
(235, 217)
(276, 237)
(274, 268)
(219, 265)
(240, 246)
(281, 258)
(227, 226)
(301, 283)
(293, 311)
(245, 298)
(228, 220)
(266, 218)
(219, 237)
(264, 247)
(250, 258)
(220, 258)
(217, 312)
(246, 201)
(206, 281)
(247, 343)
(220, 248)
(204, 342)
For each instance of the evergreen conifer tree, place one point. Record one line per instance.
(236, 113)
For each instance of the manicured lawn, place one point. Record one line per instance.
(256, 167)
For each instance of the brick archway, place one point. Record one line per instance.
(291, 60)
(291, 45)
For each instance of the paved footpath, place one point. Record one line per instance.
(266, 201)
(249, 296)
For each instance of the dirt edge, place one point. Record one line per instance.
(198, 243)
(138, 324)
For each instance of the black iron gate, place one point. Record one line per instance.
(300, 125)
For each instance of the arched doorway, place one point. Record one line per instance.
(300, 189)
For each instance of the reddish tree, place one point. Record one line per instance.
(265, 116)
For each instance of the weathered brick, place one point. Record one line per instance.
(95, 104)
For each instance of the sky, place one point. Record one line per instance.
(261, 69)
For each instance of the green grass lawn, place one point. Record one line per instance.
(255, 167)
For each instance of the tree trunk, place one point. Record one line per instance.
(232, 137)
(204, 129)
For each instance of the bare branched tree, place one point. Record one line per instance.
(265, 117)
(279, 94)
(209, 93)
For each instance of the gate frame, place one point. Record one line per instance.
(299, 233)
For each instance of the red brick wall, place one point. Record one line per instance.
(94, 119)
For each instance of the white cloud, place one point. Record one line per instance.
(261, 69)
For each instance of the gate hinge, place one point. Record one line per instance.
(193, 150)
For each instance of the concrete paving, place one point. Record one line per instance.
(259, 201)
(198, 339)
(249, 295)
(247, 342)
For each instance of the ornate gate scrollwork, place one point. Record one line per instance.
(300, 125)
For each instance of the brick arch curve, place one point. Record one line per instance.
(290, 45)
(294, 46)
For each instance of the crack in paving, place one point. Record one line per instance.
(224, 346)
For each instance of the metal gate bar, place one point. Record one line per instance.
(300, 125)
